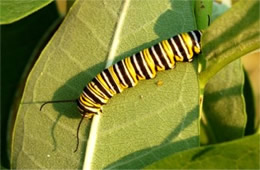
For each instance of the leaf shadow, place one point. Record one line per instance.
(227, 92)
(251, 126)
(199, 154)
(78, 81)
(142, 158)
(70, 109)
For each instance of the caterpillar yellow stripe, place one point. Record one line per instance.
(142, 65)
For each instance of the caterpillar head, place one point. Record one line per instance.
(196, 40)
(84, 110)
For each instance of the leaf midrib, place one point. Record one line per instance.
(115, 40)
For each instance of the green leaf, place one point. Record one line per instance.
(223, 106)
(231, 36)
(12, 11)
(223, 42)
(27, 33)
(238, 154)
(151, 121)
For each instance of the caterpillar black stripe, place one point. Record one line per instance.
(140, 66)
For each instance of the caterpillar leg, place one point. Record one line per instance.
(100, 111)
(90, 115)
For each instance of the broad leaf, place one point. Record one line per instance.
(224, 117)
(238, 154)
(139, 126)
(229, 37)
(12, 11)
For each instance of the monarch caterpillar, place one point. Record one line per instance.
(140, 66)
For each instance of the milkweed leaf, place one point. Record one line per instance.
(239, 154)
(138, 124)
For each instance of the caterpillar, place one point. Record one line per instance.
(140, 66)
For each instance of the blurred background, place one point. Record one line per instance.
(22, 42)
